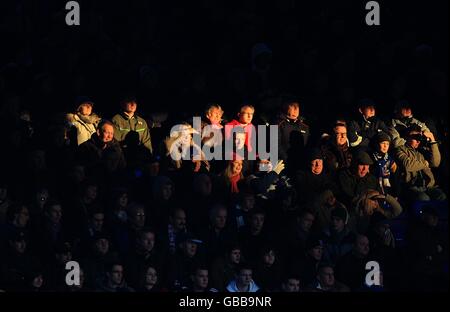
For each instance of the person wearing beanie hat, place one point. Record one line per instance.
(367, 125)
(314, 179)
(384, 164)
(84, 121)
(358, 178)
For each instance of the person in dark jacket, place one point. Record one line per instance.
(306, 265)
(367, 126)
(357, 179)
(102, 151)
(314, 179)
(427, 249)
(336, 148)
(293, 133)
(351, 268)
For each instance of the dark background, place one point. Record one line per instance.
(180, 56)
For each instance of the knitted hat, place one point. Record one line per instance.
(383, 137)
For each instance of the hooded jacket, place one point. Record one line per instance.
(413, 166)
(85, 125)
(232, 287)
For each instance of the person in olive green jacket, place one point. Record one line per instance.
(128, 121)
(415, 169)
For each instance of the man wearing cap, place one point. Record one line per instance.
(128, 121)
(415, 170)
(357, 178)
(186, 259)
(402, 120)
(367, 126)
(83, 120)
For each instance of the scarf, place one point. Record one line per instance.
(234, 183)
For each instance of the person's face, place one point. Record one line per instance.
(86, 109)
(190, 248)
(326, 277)
(341, 135)
(151, 277)
(245, 277)
(97, 221)
(306, 222)
(337, 224)
(41, 197)
(37, 281)
(91, 192)
(130, 107)
(384, 147)
(316, 253)
(413, 142)
(117, 274)
(265, 165)
(368, 111)
(147, 241)
(362, 170)
(317, 166)
(102, 246)
(55, 214)
(138, 218)
(405, 113)
(239, 140)
(292, 285)
(269, 258)
(248, 202)
(22, 218)
(166, 191)
(236, 167)
(362, 246)
(246, 115)
(205, 186)
(331, 200)
(431, 220)
(220, 219)
(201, 279)
(179, 220)
(19, 246)
(106, 133)
(123, 200)
(214, 116)
(293, 112)
(235, 256)
(257, 222)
